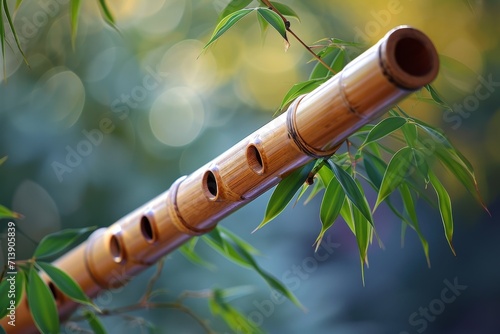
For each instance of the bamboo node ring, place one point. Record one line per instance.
(291, 124)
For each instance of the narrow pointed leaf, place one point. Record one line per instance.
(2, 160)
(41, 304)
(333, 56)
(395, 173)
(436, 97)
(318, 186)
(330, 207)
(409, 206)
(226, 23)
(237, 240)
(284, 193)
(59, 242)
(352, 191)
(75, 11)
(233, 6)
(274, 20)
(299, 89)
(13, 29)
(346, 214)
(444, 208)
(285, 10)
(410, 133)
(271, 280)
(4, 301)
(384, 128)
(2, 45)
(6, 213)
(66, 284)
(94, 322)
(108, 16)
(263, 24)
(363, 235)
(457, 167)
(215, 240)
(193, 257)
(18, 3)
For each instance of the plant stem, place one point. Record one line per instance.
(287, 25)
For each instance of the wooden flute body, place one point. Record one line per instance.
(314, 126)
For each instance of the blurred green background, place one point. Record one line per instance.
(167, 110)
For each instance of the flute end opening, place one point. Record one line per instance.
(409, 58)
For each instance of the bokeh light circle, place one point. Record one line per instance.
(177, 117)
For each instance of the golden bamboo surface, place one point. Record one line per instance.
(314, 126)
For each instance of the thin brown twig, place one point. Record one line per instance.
(287, 25)
(120, 311)
(152, 281)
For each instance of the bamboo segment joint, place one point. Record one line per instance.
(304, 147)
(173, 208)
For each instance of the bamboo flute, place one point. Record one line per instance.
(313, 126)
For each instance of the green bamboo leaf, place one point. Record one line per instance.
(41, 304)
(444, 208)
(233, 6)
(410, 132)
(299, 89)
(4, 301)
(409, 206)
(263, 24)
(345, 212)
(285, 10)
(374, 168)
(94, 322)
(18, 3)
(284, 193)
(436, 97)
(318, 186)
(189, 253)
(2, 45)
(66, 284)
(352, 191)
(330, 207)
(460, 170)
(231, 316)
(275, 21)
(6, 213)
(333, 56)
(75, 11)
(215, 240)
(441, 139)
(363, 231)
(271, 280)
(383, 129)
(226, 23)
(13, 29)
(59, 242)
(396, 172)
(108, 16)
(225, 233)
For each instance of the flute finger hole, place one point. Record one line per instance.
(254, 159)
(210, 185)
(116, 249)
